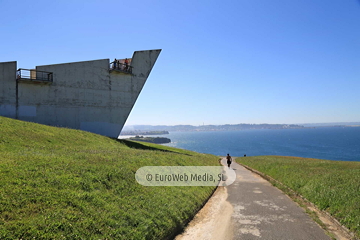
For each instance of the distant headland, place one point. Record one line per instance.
(138, 132)
(158, 140)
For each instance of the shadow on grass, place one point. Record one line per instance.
(137, 145)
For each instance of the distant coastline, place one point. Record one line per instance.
(165, 129)
(334, 124)
(140, 129)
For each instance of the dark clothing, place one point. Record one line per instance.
(228, 160)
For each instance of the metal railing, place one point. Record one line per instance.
(121, 67)
(34, 75)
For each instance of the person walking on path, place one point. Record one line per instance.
(229, 160)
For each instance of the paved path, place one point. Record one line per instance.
(251, 208)
(262, 211)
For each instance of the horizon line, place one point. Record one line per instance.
(244, 123)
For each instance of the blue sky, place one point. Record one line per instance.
(245, 61)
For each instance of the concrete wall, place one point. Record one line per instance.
(8, 89)
(83, 95)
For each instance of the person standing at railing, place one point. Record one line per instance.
(114, 64)
(126, 64)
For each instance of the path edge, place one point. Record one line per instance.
(180, 228)
(308, 206)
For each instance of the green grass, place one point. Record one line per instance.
(333, 186)
(58, 183)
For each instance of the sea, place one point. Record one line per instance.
(331, 143)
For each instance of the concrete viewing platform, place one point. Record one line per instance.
(251, 208)
(95, 96)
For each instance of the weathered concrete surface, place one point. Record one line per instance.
(8, 89)
(258, 211)
(83, 95)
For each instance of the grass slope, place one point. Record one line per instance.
(333, 186)
(58, 183)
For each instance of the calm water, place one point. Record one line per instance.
(333, 143)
